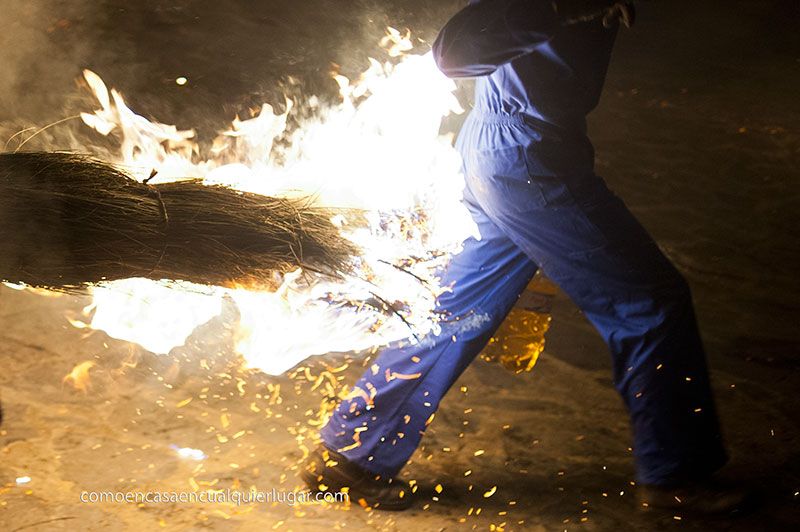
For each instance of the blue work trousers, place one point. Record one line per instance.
(584, 239)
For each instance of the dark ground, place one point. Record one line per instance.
(699, 131)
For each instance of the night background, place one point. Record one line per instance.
(698, 131)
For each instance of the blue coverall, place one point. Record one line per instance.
(531, 188)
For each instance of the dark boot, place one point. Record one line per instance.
(700, 498)
(329, 471)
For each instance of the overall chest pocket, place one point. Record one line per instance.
(500, 180)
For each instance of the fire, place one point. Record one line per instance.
(379, 150)
(79, 376)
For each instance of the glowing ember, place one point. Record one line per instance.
(378, 150)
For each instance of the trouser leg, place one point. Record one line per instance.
(381, 423)
(585, 239)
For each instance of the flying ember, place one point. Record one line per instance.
(379, 152)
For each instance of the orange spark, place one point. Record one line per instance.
(391, 375)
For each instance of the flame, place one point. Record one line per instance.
(379, 150)
(79, 376)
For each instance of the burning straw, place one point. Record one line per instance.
(68, 221)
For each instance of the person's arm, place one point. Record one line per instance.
(487, 34)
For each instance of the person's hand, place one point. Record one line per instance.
(572, 12)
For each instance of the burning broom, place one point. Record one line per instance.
(68, 221)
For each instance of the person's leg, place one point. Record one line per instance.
(380, 424)
(585, 239)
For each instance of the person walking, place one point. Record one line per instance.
(538, 204)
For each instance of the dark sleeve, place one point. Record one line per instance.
(489, 33)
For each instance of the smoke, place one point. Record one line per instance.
(235, 56)
(40, 53)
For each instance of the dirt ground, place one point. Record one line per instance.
(699, 131)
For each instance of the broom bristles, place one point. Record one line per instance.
(68, 221)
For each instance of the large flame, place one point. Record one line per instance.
(379, 149)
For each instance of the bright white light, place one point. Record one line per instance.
(159, 316)
(379, 150)
(189, 453)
